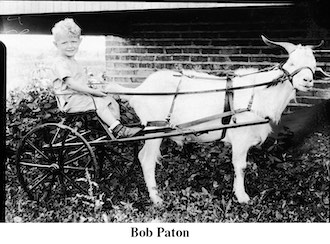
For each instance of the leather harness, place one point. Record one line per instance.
(229, 104)
(229, 111)
(225, 116)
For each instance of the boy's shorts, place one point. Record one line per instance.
(82, 103)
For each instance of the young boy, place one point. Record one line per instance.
(70, 81)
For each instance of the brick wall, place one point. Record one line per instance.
(212, 41)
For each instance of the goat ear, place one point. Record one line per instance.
(315, 46)
(289, 47)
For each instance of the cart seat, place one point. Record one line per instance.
(71, 116)
(64, 113)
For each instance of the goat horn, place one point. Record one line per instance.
(315, 46)
(319, 69)
(289, 47)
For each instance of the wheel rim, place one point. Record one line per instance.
(52, 160)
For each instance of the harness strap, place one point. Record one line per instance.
(229, 105)
(249, 107)
(286, 73)
(290, 76)
(226, 115)
(168, 118)
(162, 123)
(210, 118)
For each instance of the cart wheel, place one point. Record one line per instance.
(54, 160)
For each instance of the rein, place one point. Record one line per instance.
(287, 76)
(181, 93)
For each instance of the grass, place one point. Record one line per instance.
(196, 185)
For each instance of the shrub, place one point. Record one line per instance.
(26, 108)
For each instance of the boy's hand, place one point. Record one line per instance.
(99, 93)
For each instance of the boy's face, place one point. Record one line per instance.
(67, 44)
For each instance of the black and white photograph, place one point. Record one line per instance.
(169, 119)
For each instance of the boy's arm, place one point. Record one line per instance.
(77, 86)
(62, 71)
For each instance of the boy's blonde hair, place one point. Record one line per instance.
(66, 26)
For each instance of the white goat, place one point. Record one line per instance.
(266, 102)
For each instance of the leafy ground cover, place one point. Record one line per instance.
(285, 184)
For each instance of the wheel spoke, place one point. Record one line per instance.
(78, 168)
(48, 192)
(88, 163)
(35, 165)
(39, 180)
(62, 149)
(78, 150)
(38, 150)
(76, 158)
(56, 134)
(72, 154)
(74, 137)
(74, 183)
(62, 184)
(52, 142)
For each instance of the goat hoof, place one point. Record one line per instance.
(157, 201)
(243, 198)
